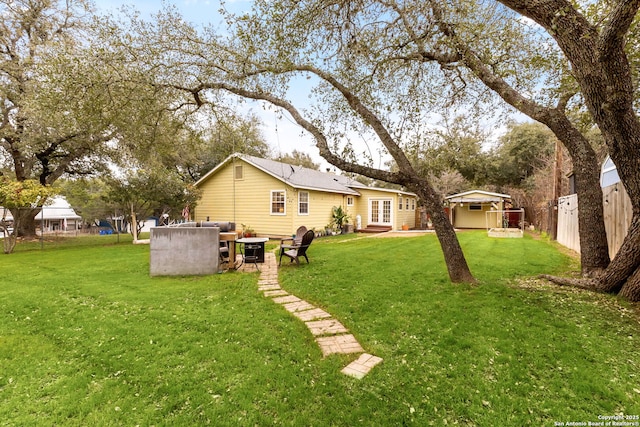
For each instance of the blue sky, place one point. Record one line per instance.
(195, 11)
(282, 134)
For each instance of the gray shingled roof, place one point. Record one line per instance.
(301, 177)
(305, 178)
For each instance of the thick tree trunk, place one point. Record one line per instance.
(454, 257)
(602, 69)
(594, 249)
(622, 276)
(625, 263)
(631, 288)
(25, 222)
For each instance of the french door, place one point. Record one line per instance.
(380, 211)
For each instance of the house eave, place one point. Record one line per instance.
(489, 196)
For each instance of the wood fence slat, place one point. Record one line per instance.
(617, 218)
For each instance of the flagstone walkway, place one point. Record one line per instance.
(331, 336)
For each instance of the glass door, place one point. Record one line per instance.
(380, 211)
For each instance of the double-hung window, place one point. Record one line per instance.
(303, 203)
(278, 202)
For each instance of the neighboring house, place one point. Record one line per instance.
(608, 173)
(58, 216)
(469, 209)
(275, 198)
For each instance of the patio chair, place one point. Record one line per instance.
(294, 252)
(297, 239)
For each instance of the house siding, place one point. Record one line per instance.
(253, 202)
(245, 201)
(464, 217)
(320, 208)
(398, 217)
(248, 201)
(405, 216)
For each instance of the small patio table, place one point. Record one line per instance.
(252, 250)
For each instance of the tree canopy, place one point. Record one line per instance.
(375, 65)
(378, 71)
(298, 158)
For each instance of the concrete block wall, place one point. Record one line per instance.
(184, 251)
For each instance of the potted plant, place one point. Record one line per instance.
(247, 231)
(340, 219)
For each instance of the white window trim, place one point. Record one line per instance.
(400, 203)
(308, 203)
(392, 212)
(235, 174)
(284, 212)
(353, 199)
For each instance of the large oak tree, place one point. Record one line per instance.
(68, 106)
(600, 65)
(375, 65)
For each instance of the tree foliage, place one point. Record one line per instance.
(71, 106)
(140, 194)
(22, 198)
(298, 158)
(382, 69)
(247, 65)
(230, 133)
(521, 152)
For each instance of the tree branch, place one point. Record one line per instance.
(321, 140)
(613, 34)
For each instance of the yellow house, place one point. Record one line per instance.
(477, 209)
(275, 198)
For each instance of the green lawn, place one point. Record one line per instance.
(88, 338)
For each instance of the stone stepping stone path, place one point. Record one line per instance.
(331, 335)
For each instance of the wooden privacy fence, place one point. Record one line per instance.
(568, 222)
(617, 217)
